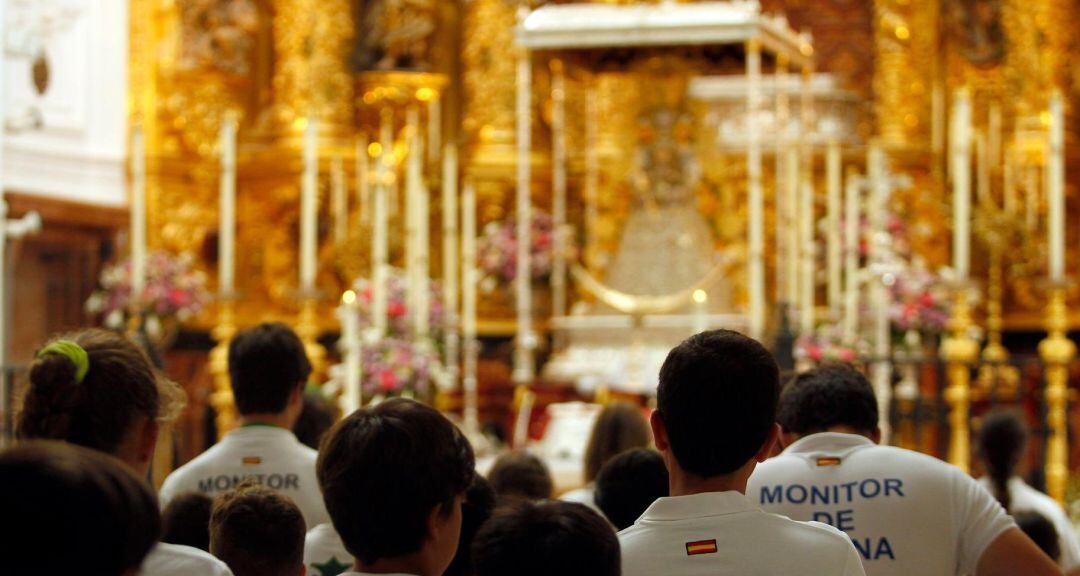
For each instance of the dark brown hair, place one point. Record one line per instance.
(519, 475)
(119, 387)
(257, 531)
(619, 427)
(1002, 442)
(383, 471)
(267, 364)
(186, 521)
(68, 508)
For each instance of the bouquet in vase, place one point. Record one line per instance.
(397, 305)
(920, 301)
(497, 251)
(825, 345)
(174, 291)
(395, 367)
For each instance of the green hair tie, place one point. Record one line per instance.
(73, 352)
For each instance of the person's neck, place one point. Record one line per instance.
(682, 483)
(279, 420)
(412, 564)
(844, 429)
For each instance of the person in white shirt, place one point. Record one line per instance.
(394, 476)
(619, 427)
(98, 390)
(907, 513)
(1002, 447)
(268, 369)
(67, 509)
(545, 539)
(257, 532)
(714, 423)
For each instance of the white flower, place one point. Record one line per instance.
(115, 320)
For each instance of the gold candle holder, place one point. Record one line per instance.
(222, 397)
(960, 351)
(1057, 351)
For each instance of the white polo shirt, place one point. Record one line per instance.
(176, 560)
(907, 513)
(723, 533)
(325, 553)
(268, 454)
(1024, 498)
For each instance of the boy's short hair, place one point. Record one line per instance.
(1041, 531)
(383, 471)
(476, 508)
(519, 475)
(267, 363)
(629, 483)
(186, 521)
(825, 397)
(717, 398)
(68, 508)
(541, 539)
(315, 419)
(257, 531)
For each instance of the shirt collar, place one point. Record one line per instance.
(260, 432)
(831, 442)
(698, 506)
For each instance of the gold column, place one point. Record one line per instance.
(1057, 351)
(960, 351)
(222, 396)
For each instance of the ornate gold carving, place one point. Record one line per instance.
(489, 74)
(1057, 351)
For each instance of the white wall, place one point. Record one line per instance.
(79, 152)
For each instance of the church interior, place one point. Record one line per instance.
(512, 210)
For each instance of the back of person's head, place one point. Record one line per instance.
(186, 521)
(1041, 531)
(830, 396)
(476, 508)
(267, 365)
(541, 539)
(316, 418)
(257, 532)
(95, 389)
(1002, 441)
(387, 472)
(619, 427)
(519, 475)
(717, 400)
(629, 483)
(68, 509)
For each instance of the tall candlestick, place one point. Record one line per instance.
(701, 311)
(363, 179)
(960, 144)
(1056, 188)
(783, 217)
(469, 281)
(791, 195)
(423, 252)
(558, 187)
(380, 246)
(386, 140)
(227, 217)
(413, 173)
(852, 217)
(808, 286)
(450, 255)
(309, 208)
(138, 211)
(756, 228)
(351, 348)
(340, 201)
(833, 168)
(525, 342)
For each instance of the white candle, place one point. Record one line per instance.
(960, 144)
(833, 166)
(386, 139)
(413, 168)
(138, 211)
(756, 227)
(808, 285)
(309, 208)
(852, 217)
(783, 217)
(558, 187)
(380, 247)
(352, 349)
(1056, 188)
(524, 368)
(423, 258)
(450, 257)
(701, 311)
(363, 179)
(791, 195)
(469, 281)
(340, 201)
(227, 217)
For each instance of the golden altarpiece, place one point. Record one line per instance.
(272, 64)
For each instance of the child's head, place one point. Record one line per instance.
(476, 508)
(393, 477)
(186, 521)
(268, 367)
(315, 419)
(629, 483)
(619, 427)
(258, 532)
(97, 389)
(518, 476)
(89, 506)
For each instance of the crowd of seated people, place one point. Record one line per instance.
(695, 488)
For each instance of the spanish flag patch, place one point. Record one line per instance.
(251, 460)
(828, 461)
(701, 547)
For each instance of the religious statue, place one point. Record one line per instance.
(394, 34)
(975, 25)
(666, 245)
(218, 34)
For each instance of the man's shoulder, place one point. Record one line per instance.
(173, 559)
(189, 470)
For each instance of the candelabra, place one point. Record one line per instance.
(960, 351)
(222, 397)
(1057, 351)
(999, 230)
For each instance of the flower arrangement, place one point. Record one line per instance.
(174, 290)
(920, 301)
(397, 308)
(825, 345)
(497, 251)
(392, 367)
